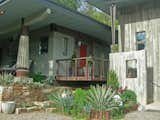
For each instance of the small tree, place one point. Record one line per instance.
(113, 80)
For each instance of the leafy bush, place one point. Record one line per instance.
(6, 79)
(24, 104)
(113, 80)
(79, 100)
(37, 77)
(117, 114)
(101, 99)
(128, 95)
(63, 101)
(36, 85)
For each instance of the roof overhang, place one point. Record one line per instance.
(17, 9)
(104, 5)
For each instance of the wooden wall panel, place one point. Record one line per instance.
(138, 84)
(144, 18)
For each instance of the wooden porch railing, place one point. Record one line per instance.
(95, 69)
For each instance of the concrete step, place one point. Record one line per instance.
(153, 106)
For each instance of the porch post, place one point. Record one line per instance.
(114, 47)
(22, 67)
(113, 18)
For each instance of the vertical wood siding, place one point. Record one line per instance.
(139, 84)
(143, 18)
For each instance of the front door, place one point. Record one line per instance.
(83, 53)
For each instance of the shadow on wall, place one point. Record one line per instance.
(150, 84)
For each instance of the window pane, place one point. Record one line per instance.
(131, 68)
(43, 47)
(65, 43)
(141, 39)
(140, 36)
(141, 46)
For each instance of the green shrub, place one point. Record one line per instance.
(37, 77)
(113, 80)
(24, 104)
(128, 95)
(6, 79)
(117, 114)
(63, 101)
(79, 100)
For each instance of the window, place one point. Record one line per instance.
(65, 46)
(43, 46)
(141, 39)
(131, 68)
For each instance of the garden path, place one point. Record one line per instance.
(148, 115)
(34, 116)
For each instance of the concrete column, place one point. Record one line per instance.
(23, 53)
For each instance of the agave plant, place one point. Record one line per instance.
(101, 98)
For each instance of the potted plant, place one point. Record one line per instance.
(101, 101)
(8, 107)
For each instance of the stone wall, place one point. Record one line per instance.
(20, 93)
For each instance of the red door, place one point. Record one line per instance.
(83, 53)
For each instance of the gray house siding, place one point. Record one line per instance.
(46, 64)
(143, 18)
(40, 62)
(9, 48)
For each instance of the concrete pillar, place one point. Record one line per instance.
(23, 53)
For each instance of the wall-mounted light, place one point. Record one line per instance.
(1, 12)
(79, 43)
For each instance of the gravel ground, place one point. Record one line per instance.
(143, 116)
(34, 116)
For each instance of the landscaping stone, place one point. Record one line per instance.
(20, 110)
(27, 110)
(21, 79)
(33, 109)
(50, 110)
(43, 104)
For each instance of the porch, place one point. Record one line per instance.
(82, 69)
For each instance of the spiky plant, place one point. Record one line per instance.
(101, 98)
(6, 79)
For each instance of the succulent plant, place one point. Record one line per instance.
(101, 98)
